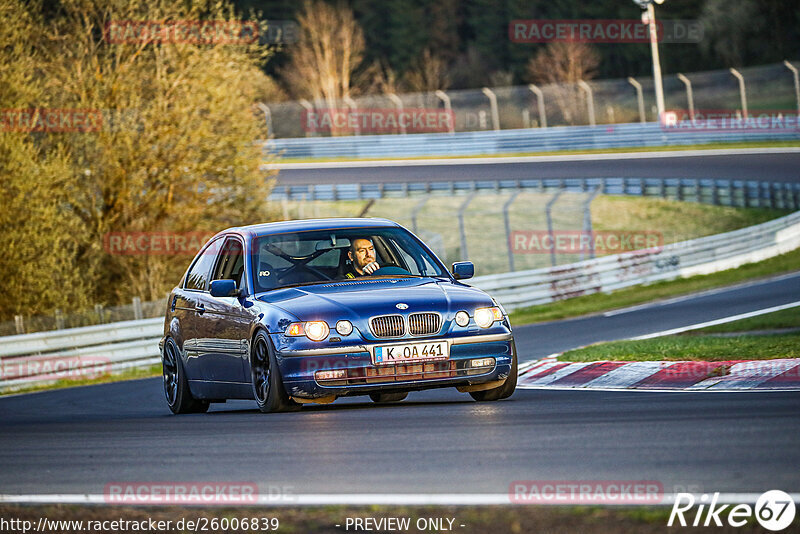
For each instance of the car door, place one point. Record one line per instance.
(189, 304)
(225, 322)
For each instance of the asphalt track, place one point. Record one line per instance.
(440, 442)
(765, 165)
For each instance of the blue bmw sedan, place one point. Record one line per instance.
(295, 312)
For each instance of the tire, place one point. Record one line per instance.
(176, 386)
(268, 387)
(506, 389)
(383, 398)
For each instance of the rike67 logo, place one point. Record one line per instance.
(774, 510)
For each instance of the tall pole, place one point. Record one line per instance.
(651, 20)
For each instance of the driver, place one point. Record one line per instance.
(362, 256)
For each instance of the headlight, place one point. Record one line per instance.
(313, 330)
(485, 317)
(462, 318)
(316, 330)
(344, 327)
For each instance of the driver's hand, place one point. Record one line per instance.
(371, 267)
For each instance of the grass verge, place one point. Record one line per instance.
(691, 348)
(709, 146)
(600, 302)
(702, 345)
(789, 318)
(128, 374)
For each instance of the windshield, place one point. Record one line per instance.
(299, 258)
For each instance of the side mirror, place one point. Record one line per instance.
(462, 270)
(224, 288)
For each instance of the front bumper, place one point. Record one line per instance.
(299, 367)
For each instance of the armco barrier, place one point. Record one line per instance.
(743, 193)
(698, 256)
(46, 356)
(135, 343)
(510, 141)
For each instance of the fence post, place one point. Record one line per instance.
(59, 319)
(101, 315)
(309, 109)
(507, 222)
(796, 83)
(742, 92)
(19, 324)
(137, 309)
(587, 219)
(548, 215)
(639, 97)
(526, 118)
(267, 116)
(399, 105)
(415, 211)
(461, 210)
(351, 105)
(493, 104)
(540, 104)
(446, 99)
(589, 101)
(689, 94)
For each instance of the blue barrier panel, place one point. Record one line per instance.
(510, 141)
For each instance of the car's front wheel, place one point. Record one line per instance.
(506, 389)
(268, 387)
(176, 386)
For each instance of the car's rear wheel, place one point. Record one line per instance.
(506, 389)
(176, 386)
(268, 387)
(382, 398)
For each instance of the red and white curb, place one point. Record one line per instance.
(549, 373)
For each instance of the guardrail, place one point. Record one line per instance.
(698, 256)
(742, 193)
(625, 135)
(49, 356)
(78, 353)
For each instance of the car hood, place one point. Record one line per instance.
(357, 300)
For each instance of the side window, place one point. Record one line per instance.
(231, 263)
(198, 274)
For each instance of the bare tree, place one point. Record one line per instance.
(565, 64)
(427, 73)
(324, 59)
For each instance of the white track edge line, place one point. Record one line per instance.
(715, 322)
(387, 499)
(700, 294)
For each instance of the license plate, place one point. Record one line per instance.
(411, 352)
